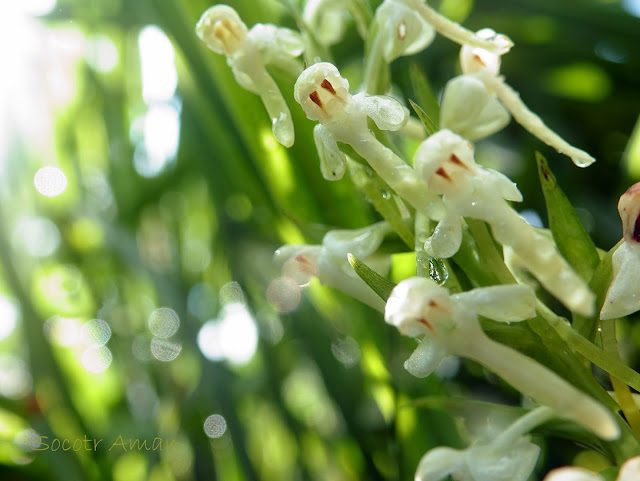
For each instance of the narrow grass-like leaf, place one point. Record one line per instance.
(429, 124)
(424, 94)
(570, 236)
(375, 281)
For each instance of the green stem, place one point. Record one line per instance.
(600, 358)
(488, 251)
(382, 200)
(623, 394)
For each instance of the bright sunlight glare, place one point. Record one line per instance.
(233, 337)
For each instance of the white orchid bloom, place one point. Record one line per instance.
(401, 30)
(509, 456)
(470, 110)
(328, 261)
(485, 65)
(623, 296)
(248, 52)
(418, 306)
(629, 471)
(446, 162)
(324, 96)
(327, 19)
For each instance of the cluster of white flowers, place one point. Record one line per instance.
(445, 186)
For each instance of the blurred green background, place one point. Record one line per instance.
(142, 196)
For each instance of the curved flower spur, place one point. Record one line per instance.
(498, 43)
(507, 456)
(418, 306)
(485, 65)
(328, 261)
(623, 296)
(324, 96)
(446, 162)
(248, 52)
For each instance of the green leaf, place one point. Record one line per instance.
(572, 239)
(424, 94)
(375, 281)
(570, 236)
(429, 124)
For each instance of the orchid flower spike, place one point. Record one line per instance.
(328, 261)
(623, 297)
(324, 96)
(327, 18)
(446, 162)
(498, 43)
(485, 65)
(629, 471)
(450, 326)
(248, 52)
(509, 456)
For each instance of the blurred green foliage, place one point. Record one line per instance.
(325, 395)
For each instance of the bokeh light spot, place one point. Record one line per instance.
(231, 293)
(15, 380)
(50, 181)
(284, 294)
(347, 351)
(97, 359)
(233, 337)
(101, 54)
(37, 235)
(215, 426)
(9, 314)
(96, 332)
(65, 331)
(165, 351)
(164, 322)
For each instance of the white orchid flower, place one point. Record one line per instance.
(485, 65)
(509, 456)
(446, 162)
(470, 110)
(629, 471)
(327, 18)
(623, 296)
(419, 307)
(248, 52)
(324, 96)
(401, 30)
(328, 261)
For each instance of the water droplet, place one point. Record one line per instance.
(438, 271)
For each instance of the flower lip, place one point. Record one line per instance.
(222, 29)
(417, 306)
(322, 91)
(444, 161)
(474, 59)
